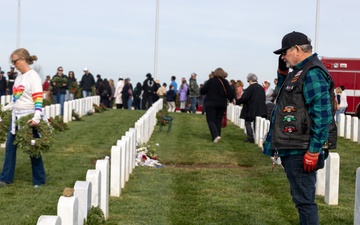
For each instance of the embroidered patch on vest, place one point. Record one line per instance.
(290, 129)
(296, 77)
(289, 118)
(289, 88)
(289, 108)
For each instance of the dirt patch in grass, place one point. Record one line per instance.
(205, 166)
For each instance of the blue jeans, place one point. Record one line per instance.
(59, 98)
(130, 101)
(86, 93)
(8, 172)
(194, 101)
(302, 188)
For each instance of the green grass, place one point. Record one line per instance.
(202, 183)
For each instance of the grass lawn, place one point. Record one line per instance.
(229, 182)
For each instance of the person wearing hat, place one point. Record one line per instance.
(302, 128)
(2, 83)
(87, 83)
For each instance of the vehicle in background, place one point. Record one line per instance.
(346, 72)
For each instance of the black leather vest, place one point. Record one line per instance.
(292, 121)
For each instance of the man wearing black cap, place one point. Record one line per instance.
(302, 127)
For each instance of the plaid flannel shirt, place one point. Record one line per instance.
(317, 97)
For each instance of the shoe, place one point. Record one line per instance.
(250, 141)
(3, 184)
(37, 185)
(217, 139)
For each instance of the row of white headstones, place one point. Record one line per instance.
(104, 180)
(327, 181)
(81, 106)
(96, 189)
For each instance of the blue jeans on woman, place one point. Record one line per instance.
(302, 188)
(59, 98)
(8, 172)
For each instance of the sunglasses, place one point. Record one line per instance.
(285, 52)
(14, 61)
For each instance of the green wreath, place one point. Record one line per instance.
(60, 81)
(4, 124)
(27, 143)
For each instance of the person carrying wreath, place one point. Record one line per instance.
(27, 99)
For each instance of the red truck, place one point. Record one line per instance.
(346, 72)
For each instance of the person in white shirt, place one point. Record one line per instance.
(27, 99)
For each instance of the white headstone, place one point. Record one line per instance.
(82, 190)
(94, 177)
(116, 173)
(47, 111)
(122, 144)
(49, 220)
(332, 179)
(357, 198)
(354, 129)
(68, 210)
(58, 109)
(341, 125)
(133, 151)
(66, 112)
(103, 167)
(52, 111)
(320, 181)
(2, 100)
(348, 127)
(126, 139)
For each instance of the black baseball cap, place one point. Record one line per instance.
(292, 39)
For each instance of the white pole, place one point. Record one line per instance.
(18, 25)
(317, 24)
(156, 39)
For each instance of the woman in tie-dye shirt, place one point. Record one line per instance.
(27, 99)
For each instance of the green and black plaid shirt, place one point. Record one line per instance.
(317, 97)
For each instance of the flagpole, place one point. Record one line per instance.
(18, 25)
(156, 39)
(317, 24)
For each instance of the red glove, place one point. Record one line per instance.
(310, 161)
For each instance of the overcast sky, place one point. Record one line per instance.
(116, 38)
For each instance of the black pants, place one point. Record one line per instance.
(249, 130)
(214, 114)
(147, 101)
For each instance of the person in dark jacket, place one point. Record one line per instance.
(99, 80)
(87, 82)
(218, 92)
(149, 88)
(126, 93)
(253, 101)
(171, 98)
(105, 92)
(59, 85)
(302, 127)
(2, 84)
(137, 94)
